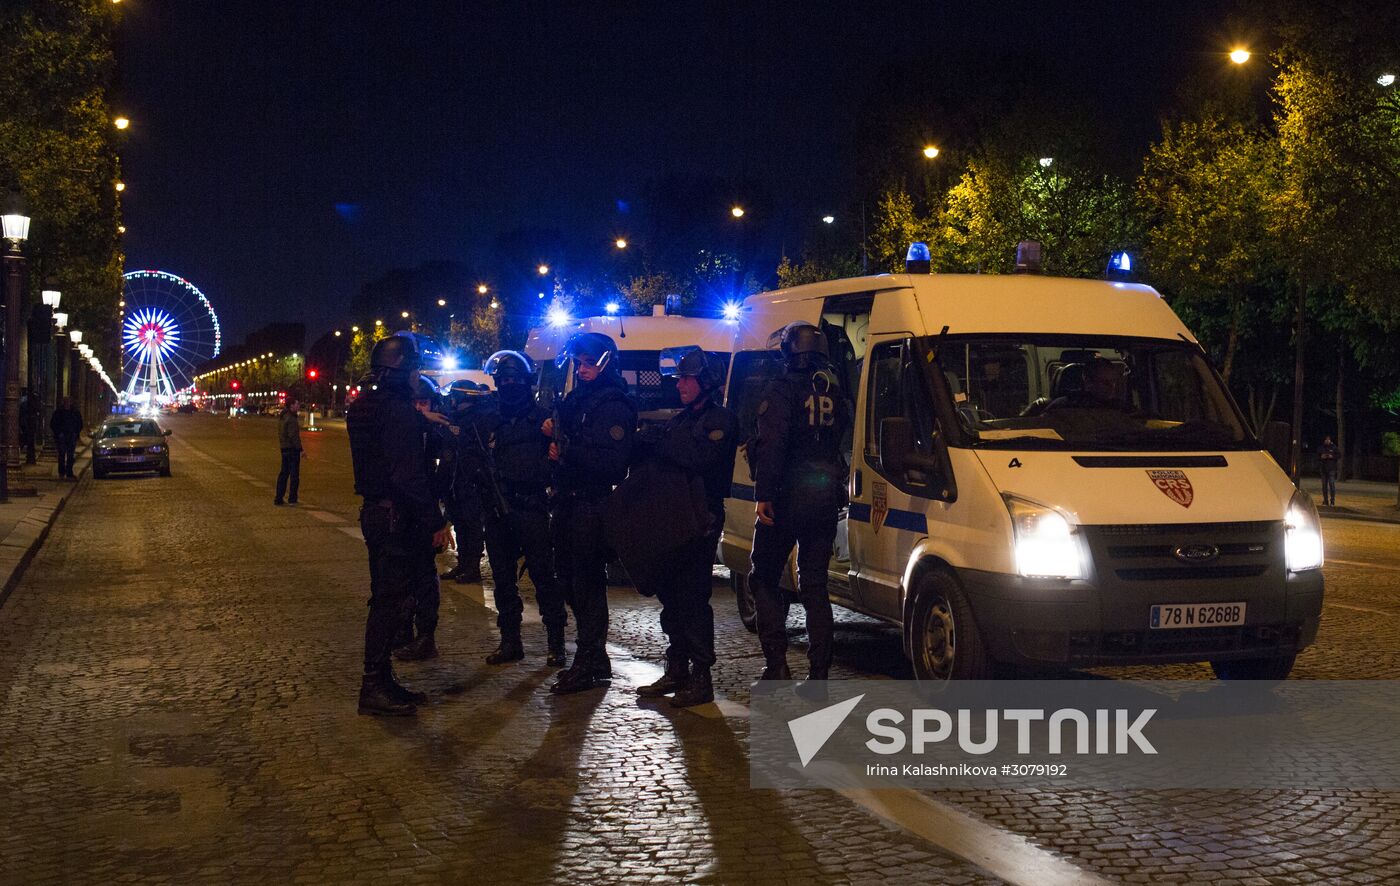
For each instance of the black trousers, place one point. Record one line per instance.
(465, 512)
(524, 532)
(290, 474)
(686, 616)
(581, 566)
(26, 440)
(66, 444)
(400, 565)
(813, 531)
(1329, 486)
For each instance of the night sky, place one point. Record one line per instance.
(285, 153)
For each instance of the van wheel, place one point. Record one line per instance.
(944, 641)
(743, 597)
(1276, 668)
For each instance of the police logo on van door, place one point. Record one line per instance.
(880, 504)
(1175, 485)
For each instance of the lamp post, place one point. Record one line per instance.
(16, 230)
(41, 361)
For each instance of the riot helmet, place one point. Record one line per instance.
(692, 361)
(594, 346)
(804, 346)
(425, 390)
(510, 367)
(394, 360)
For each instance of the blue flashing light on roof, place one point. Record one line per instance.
(918, 260)
(558, 317)
(612, 307)
(731, 311)
(449, 362)
(1120, 264)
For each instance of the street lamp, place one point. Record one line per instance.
(404, 315)
(337, 333)
(620, 242)
(481, 289)
(60, 319)
(121, 123)
(51, 298)
(354, 329)
(15, 226)
(120, 186)
(930, 151)
(378, 322)
(75, 336)
(828, 219)
(543, 269)
(495, 304)
(737, 212)
(1386, 79)
(442, 302)
(1239, 55)
(1046, 161)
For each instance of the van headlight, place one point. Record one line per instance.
(1302, 535)
(1046, 546)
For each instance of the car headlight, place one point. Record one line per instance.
(1302, 536)
(1046, 546)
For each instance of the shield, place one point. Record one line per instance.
(1175, 485)
(880, 504)
(650, 517)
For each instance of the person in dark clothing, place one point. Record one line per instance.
(66, 425)
(400, 519)
(518, 524)
(1328, 458)
(699, 441)
(461, 480)
(417, 636)
(591, 443)
(289, 439)
(28, 424)
(799, 488)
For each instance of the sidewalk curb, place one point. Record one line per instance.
(18, 549)
(1363, 518)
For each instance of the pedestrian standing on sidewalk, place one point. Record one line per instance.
(1328, 458)
(66, 424)
(400, 520)
(289, 438)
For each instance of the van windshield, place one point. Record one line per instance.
(1087, 393)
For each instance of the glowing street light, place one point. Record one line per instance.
(495, 304)
(930, 151)
(404, 315)
(1239, 55)
(378, 322)
(612, 307)
(620, 242)
(121, 122)
(120, 186)
(829, 219)
(442, 302)
(1046, 161)
(121, 229)
(543, 269)
(481, 289)
(354, 329)
(337, 333)
(51, 298)
(1386, 79)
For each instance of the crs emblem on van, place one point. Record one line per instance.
(1175, 485)
(880, 504)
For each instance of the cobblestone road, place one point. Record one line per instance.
(177, 681)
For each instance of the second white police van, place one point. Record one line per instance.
(1045, 473)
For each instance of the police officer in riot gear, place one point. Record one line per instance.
(799, 489)
(417, 637)
(591, 442)
(400, 519)
(517, 520)
(469, 408)
(699, 441)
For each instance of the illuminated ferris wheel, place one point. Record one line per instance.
(168, 329)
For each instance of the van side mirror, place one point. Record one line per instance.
(167, 432)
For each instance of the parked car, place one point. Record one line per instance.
(130, 443)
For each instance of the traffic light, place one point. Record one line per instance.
(312, 373)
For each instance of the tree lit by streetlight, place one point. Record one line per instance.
(930, 151)
(543, 269)
(737, 212)
(121, 122)
(1239, 55)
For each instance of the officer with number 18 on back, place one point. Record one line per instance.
(799, 489)
(591, 444)
(400, 519)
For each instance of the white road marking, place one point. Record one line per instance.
(352, 531)
(1360, 608)
(1368, 565)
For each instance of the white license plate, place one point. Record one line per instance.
(130, 458)
(1196, 615)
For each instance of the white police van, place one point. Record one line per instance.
(640, 341)
(1045, 473)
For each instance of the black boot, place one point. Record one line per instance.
(557, 657)
(402, 692)
(677, 672)
(580, 677)
(698, 690)
(510, 650)
(379, 696)
(421, 649)
(468, 571)
(776, 670)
